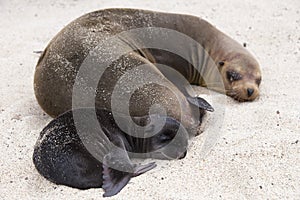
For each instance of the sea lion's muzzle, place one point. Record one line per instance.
(250, 92)
(242, 90)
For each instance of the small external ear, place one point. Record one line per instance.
(200, 103)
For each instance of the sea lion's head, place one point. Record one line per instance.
(170, 142)
(241, 76)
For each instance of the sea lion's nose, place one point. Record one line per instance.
(250, 92)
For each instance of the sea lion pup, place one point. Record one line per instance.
(237, 73)
(83, 157)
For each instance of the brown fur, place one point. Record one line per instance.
(58, 66)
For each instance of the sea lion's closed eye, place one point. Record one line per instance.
(233, 76)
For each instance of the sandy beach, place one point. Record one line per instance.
(256, 151)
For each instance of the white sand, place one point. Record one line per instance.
(256, 157)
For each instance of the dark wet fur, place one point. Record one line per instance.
(60, 156)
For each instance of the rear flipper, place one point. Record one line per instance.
(114, 181)
(118, 169)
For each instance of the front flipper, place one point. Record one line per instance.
(118, 169)
(200, 103)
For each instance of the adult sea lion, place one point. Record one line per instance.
(237, 73)
(85, 158)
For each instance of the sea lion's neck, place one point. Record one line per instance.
(205, 71)
(199, 67)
